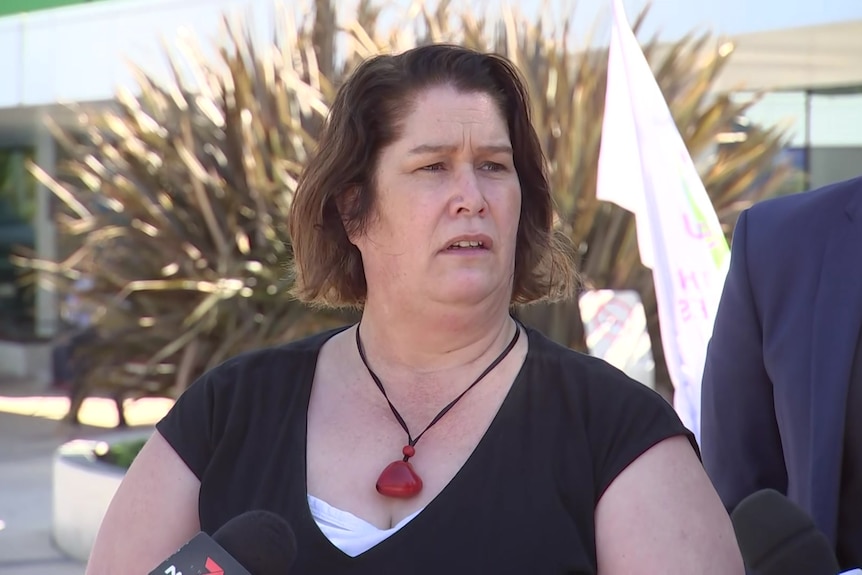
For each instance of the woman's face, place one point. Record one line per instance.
(445, 220)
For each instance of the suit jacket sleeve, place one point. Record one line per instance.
(740, 442)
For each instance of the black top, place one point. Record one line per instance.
(849, 548)
(523, 502)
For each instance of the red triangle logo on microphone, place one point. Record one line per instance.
(213, 568)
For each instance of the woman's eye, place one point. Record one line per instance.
(486, 166)
(493, 167)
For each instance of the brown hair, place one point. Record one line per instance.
(363, 120)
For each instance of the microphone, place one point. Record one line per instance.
(778, 538)
(253, 543)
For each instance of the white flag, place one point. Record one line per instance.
(645, 168)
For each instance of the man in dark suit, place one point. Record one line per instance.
(782, 385)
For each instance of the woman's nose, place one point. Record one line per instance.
(468, 196)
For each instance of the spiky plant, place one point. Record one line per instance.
(568, 94)
(177, 198)
(177, 202)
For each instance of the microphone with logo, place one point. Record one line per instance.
(778, 538)
(253, 543)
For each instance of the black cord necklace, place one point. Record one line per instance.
(399, 479)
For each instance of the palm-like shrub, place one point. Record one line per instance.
(176, 199)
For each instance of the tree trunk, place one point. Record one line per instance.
(661, 374)
(560, 321)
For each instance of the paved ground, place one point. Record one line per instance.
(29, 434)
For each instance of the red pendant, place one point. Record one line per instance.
(399, 480)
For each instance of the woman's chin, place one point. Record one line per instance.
(465, 292)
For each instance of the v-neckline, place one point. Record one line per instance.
(446, 493)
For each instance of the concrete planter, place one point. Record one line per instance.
(83, 486)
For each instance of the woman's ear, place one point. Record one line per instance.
(346, 204)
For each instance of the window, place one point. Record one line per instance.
(17, 208)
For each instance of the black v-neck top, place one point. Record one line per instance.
(523, 502)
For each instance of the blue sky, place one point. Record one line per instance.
(670, 18)
(674, 18)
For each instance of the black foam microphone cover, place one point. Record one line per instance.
(260, 541)
(778, 538)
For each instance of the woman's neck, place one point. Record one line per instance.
(433, 343)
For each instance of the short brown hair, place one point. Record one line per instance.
(363, 120)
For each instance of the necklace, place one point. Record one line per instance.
(399, 479)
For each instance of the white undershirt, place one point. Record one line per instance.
(347, 531)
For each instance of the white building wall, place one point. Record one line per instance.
(82, 53)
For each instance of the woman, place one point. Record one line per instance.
(428, 207)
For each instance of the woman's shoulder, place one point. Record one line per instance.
(277, 358)
(252, 392)
(587, 373)
(620, 418)
(606, 400)
(270, 371)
